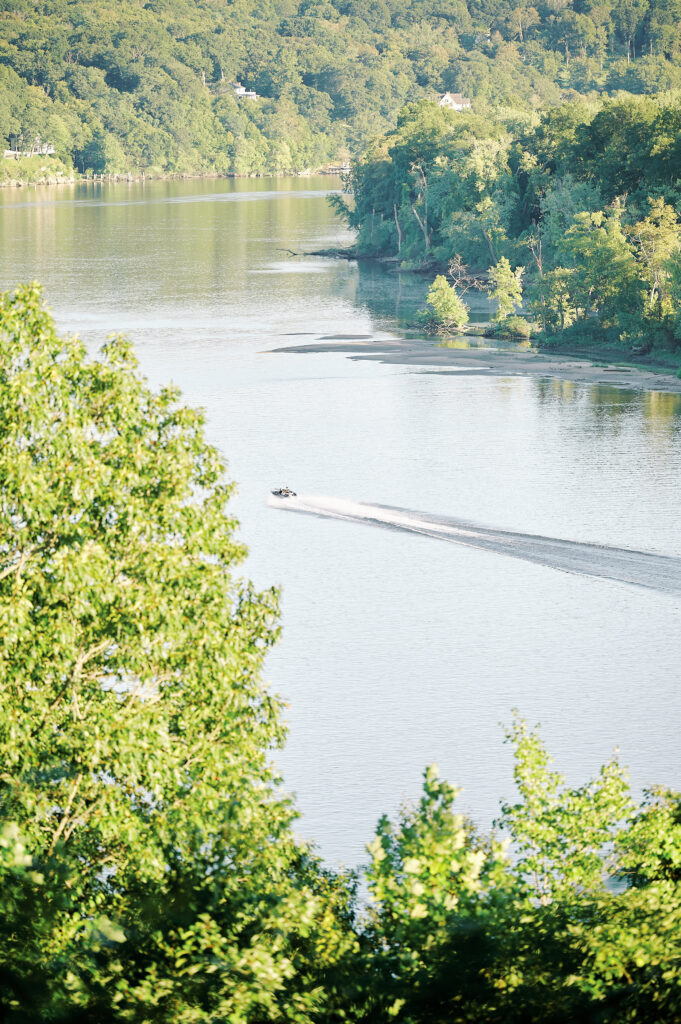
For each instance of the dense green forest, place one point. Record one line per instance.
(130, 86)
(576, 209)
(149, 870)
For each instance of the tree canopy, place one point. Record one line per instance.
(579, 205)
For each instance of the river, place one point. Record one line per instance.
(398, 650)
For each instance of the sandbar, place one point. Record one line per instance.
(492, 360)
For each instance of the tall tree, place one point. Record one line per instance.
(605, 278)
(505, 288)
(657, 239)
(628, 15)
(135, 729)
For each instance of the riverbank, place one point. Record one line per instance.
(657, 361)
(105, 179)
(470, 356)
(51, 178)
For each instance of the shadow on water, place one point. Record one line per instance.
(389, 294)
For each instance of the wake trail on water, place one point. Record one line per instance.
(639, 568)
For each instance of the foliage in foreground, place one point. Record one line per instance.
(134, 726)
(579, 919)
(148, 870)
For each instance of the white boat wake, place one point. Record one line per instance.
(639, 568)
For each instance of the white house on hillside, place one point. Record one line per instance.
(454, 101)
(242, 93)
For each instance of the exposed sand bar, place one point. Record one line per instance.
(490, 361)
(639, 568)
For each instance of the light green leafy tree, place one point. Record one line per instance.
(434, 882)
(630, 944)
(445, 308)
(505, 289)
(560, 202)
(135, 729)
(605, 282)
(656, 239)
(552, 300)
(650, 849)
(462, 931)
(562, 834)
(673, 269)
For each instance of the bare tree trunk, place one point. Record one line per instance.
(399, 229)
(423, 226)
(425, 201)
(488, 240)
(534, 244)
(423, 223)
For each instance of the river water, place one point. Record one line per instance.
(398, 650)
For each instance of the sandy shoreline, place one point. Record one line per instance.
(490, 361)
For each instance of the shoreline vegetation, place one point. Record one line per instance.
(571, 224)
(60, 175)
(558, 355)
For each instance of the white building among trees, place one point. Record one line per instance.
(454, 101)
(39, 148)
(242, 93)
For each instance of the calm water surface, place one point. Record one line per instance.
(397, 650)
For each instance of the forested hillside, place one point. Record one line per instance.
(129, 86)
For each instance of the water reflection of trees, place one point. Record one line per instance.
(389, 293)
(610, 409)
(172, 239)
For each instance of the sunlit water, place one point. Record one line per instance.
(398, 650)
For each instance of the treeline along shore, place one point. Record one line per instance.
(572, 214)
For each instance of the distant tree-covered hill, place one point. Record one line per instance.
(121, 85)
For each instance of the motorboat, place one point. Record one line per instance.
(284, 492)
